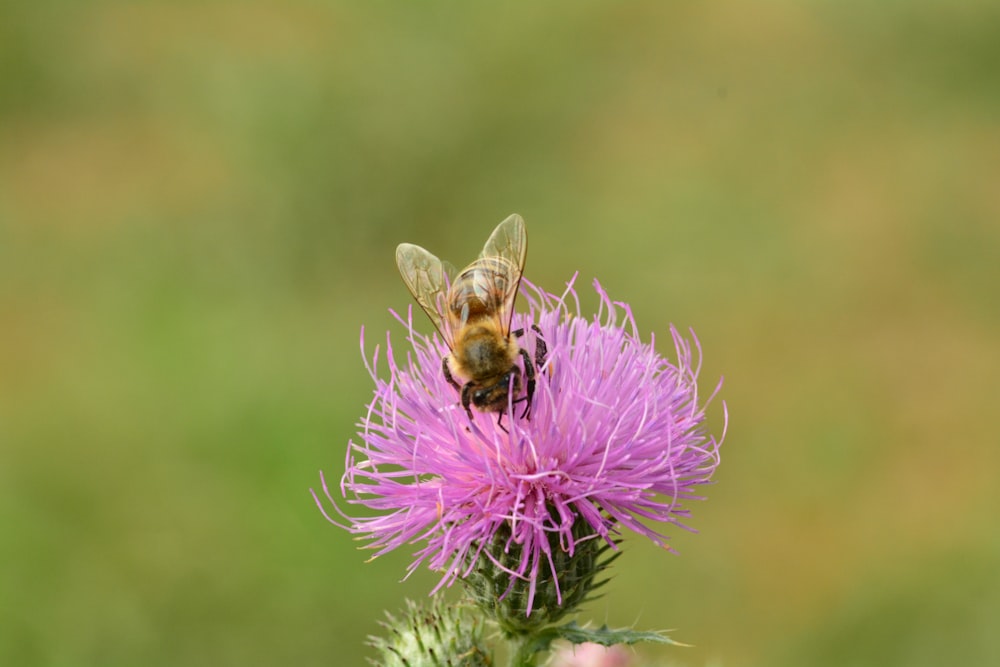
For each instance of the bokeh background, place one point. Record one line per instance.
(199, 205)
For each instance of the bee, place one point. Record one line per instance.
(472, 309)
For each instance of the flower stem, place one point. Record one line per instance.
(522, 652)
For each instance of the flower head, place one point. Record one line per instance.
(614, 440)
(592, 655)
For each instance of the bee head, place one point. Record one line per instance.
(493, 397)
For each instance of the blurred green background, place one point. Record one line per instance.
(199, 205)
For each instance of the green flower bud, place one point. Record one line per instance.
(438, 635)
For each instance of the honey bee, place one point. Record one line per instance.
(472, 309)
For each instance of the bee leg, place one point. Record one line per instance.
(529, 374)
(448, 376)
(465, 390)
(500, 423)
(467, 398)
(541, 349)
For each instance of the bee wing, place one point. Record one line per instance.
(509, 241)
(428, 279)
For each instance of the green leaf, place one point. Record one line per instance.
(605, 636)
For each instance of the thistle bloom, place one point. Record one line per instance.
(614, 440)
(592, 655)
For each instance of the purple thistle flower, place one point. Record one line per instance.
(614, 440)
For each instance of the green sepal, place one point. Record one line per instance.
(506, 602)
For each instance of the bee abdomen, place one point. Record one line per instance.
(480, 289)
